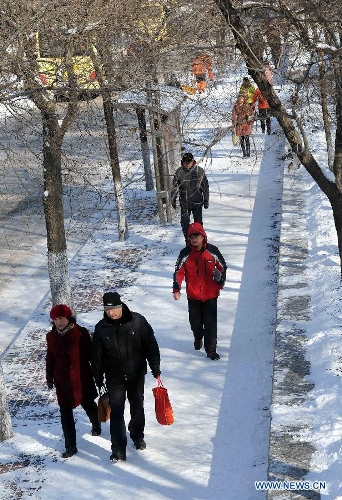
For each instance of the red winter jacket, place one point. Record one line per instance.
(68, 366)
(262, 103)
(197, 267)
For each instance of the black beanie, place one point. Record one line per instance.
(187, 157)
(111, 299)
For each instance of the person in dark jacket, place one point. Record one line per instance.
(204, 269)
(123, 343)
(68, 369)
(190, 184)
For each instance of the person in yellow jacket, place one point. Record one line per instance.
(200, 67)
(247, 88)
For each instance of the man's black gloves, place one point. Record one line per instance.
(217, 276)
(49, 385)
(156, 373)
(206, 204)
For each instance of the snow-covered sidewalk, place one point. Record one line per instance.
(218, 445)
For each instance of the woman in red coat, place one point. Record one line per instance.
(242, 122)
(68, 368)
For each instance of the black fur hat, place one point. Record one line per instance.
(111, 300)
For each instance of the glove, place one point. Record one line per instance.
(206, 204)
(174, 206)
(49, 385)
(217, 276)
(156, 373)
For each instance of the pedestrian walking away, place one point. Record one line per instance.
(123, 343)
(242, 123)
(263, 111)
(190, 185)
(203, 267)
(68, 369)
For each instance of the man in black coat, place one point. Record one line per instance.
(190, 184)
(123, 343)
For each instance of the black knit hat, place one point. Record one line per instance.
(187, 157)
(111, 300)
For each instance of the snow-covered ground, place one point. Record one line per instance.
(218, 445)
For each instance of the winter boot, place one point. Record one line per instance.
(118, 456)
(248, 149)
(69, 452)
(140, 444)
(96, 429)
(214, 356)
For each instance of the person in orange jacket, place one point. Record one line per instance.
(263, 110)
(200, 67)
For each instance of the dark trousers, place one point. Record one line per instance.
(265, 113)
(117, 397)
(203, 322)
(245, 145)
(68, 422)
(196, 211)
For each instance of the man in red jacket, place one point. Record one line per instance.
(204, 269)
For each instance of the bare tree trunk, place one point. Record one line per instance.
(325, 112)
(6, 430)
(103, 64)
(145, 149)
(115, 165)
(336, 205)
(58, 266)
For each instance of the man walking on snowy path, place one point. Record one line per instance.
(204, 269)
(123, 342)
(190, 184)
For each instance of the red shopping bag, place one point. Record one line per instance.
(163, 408)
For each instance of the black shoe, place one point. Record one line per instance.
(139, 444)
(119, 456)
(96, 430)
(198, 344)
(69, 452)
(214, 356)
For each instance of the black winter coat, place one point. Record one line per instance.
(192, 187)
(121, 348)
